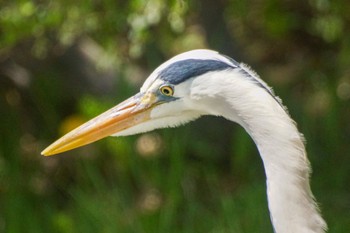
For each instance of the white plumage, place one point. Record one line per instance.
(235, 92)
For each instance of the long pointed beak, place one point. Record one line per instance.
(129, 113)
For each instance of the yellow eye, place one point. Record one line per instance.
(166, 90)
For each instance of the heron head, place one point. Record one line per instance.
(166, 99)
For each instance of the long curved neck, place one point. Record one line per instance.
(291, 203)
(287, 169)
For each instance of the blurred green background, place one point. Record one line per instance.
(63, 62)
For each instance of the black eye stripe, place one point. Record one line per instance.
(183, 70)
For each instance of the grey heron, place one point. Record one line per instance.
(204, 82)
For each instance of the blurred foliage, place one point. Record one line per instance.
(63, 62)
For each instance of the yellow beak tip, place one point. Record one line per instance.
(47, 152)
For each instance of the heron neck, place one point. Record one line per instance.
(291, 203)
(287, 168)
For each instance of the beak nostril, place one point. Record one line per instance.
(148, 99)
